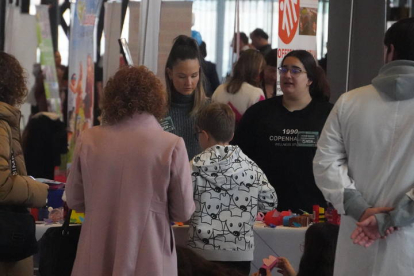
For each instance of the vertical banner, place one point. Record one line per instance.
(297, 28)
(47, 59)
(81, 68)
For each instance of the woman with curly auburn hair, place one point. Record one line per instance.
(185, 86)
(17, 190)
(129, 165)
(133, 89)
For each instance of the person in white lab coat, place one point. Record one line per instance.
(364, 165)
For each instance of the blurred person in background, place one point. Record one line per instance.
(260, 41)
(243, 89)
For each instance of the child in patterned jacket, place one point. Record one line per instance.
(229, 190)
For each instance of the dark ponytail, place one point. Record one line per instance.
(319, 89)
(185, 48)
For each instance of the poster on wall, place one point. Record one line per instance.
(47, 59)
(297, 28)
(81, 69)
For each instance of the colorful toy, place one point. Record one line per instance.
(329, 215)
(77, 218)
(268, 263)
(300, 221)
(332, 216)
(318, 214)
(276, 218)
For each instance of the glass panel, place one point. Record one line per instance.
(205, 16)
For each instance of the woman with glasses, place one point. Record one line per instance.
(280, 134)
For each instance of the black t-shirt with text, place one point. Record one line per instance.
(283, 145)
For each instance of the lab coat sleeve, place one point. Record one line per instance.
(402, 215)
(330, 165)
(354, 204)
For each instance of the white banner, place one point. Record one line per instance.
(47, 59)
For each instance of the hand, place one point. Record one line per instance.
(367, 232)
(285, 268)
(372, 211)
(390, 230)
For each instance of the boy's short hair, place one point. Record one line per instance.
(218, 120)
(401, 35)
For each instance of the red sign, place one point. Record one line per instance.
(288, 19)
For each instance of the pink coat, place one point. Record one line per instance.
(131, 180)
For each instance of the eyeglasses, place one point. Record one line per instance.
(293, 71)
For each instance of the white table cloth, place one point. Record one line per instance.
(282, 241)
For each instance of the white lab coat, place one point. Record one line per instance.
(368, 144)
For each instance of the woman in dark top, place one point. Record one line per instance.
(280, 134)
(185, 87)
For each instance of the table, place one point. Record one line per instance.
(282, 241)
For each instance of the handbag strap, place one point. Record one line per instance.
(66, 223)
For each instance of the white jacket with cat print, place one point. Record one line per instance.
(229, 190)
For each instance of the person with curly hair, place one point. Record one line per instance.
(17, 190)
(129, 165)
